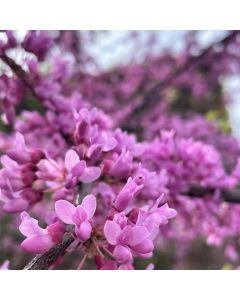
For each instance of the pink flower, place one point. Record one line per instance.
(231, 253)
(14, 202)
(38, 42)
(111, 265)
(18, 175)
(121, 166)
(39, 240)
(22, 154)
(128, 241)
(104, 264)
(79, 216)
(5, 265)
(126, 195)
(154, 217)
(77, 169)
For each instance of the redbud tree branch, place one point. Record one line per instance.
(46, 260)
(152, 94)
(227, 195)
(20, 73)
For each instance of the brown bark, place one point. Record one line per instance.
(44, 261)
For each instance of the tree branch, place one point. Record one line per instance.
(19, 72)
(44, 261)
(230, 196)
(150, 94)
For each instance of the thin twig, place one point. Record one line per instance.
(82, 261)
(97, 248)
(20, 73)
(107, 252)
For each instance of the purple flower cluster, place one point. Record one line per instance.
(68, 164)
(106, 164)
(18, 176)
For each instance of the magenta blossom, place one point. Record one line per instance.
(39, 240)
(77, 169)
(111, 265)
(128, 241)
(37, 42)
(126, 195)
(79, 216)
(153, 217)
(18, 175)
(66, 174)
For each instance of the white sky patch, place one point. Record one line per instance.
(232, 87)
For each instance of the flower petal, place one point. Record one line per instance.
(134, 235)
(150, 267)
(7, 162)
(89, 204)
(90, 174)
(144, 247)
(127, 266)
(84, 231)
(37, 244)
(79, 216)
(5, 265)
(109, 265)
(20, 142)
(112, 231)
(15, 206)
(109, 144)
(78, 169)
(123, 200)
(122, 254)
(29, 226)
(71, 159)
(65, 211)
(168, 212)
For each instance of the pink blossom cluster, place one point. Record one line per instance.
(99, 188)
(70, 170)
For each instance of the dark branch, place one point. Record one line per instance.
(227, 195)
(44, 261)
(19, 72)
(153, 93)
